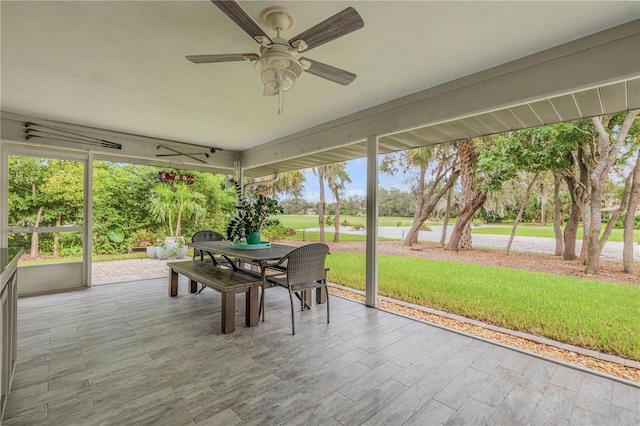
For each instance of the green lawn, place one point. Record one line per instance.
(542, 231)
(523, 230)
(587, 313)
(328, 236)
(298, 221)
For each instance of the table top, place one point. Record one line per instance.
(275, 252)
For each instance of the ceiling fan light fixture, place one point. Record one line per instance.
(279, 71)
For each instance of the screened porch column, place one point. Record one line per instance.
(372, 222)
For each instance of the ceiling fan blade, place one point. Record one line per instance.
(328, 72)
(229, 57)
(340, 24)
(240, 16)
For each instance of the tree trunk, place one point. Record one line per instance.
(56, 236)
(543, 203)
(419, 208)
(466, 154)
(608, 148)
(571, 228)
(557, 215)
(412, 235)
(615, 215)
(447, 214)
(179, 223)
(592, 232)
(170, 225)
(629, 221)
(336, 235)
(520, 212)
(322, 203)
(465, 218)
(35, 243)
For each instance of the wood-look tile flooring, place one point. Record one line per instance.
(127, 354)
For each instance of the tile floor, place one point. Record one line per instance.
(125, 354)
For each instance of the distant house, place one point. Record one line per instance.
(310, 211)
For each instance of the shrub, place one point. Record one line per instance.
(425, 227)
(620, 222)
(140, 236)
(276, 231)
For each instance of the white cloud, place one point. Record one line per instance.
(354, 192)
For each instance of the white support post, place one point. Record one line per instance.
(372, 222)
(87, 246)
(4, 197)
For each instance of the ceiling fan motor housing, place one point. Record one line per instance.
(278, 66)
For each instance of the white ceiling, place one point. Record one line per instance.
(120, 65)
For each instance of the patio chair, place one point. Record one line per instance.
(209, 236)
(205, 236)
(304, 271)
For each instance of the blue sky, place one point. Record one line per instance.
(357, 170)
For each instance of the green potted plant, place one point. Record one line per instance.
(251, 214)
(181, 248)
(162, 249)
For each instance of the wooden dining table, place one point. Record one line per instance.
(252, 260)
(257, 257)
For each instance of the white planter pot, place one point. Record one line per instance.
(162, 253)
(181, 252)
(151, 252)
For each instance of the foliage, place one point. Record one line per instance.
(141, 236)
(295, 205)
(115, 234)
(275, 231)
(251, 214)
(121, 197)
(172, 202)
(394, 202)
(620, 222)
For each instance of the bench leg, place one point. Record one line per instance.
(321, 296)
(228, 312)
(252, 303)
(193, 286)
(173, 283)
(306, 298)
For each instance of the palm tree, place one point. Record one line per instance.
(320, 171)
(174, 202)
(336, 175)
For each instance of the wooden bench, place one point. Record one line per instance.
(226, 281)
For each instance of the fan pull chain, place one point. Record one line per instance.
(280, 101)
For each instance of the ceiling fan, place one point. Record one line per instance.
(279, 62)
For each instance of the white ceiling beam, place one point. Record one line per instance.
(134, 149)
(602, 58)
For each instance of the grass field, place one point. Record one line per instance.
(591, 314)
(523, 230)
(542, 231)
(306, 221)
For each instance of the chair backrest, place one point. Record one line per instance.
(306, 264)
(207, 236)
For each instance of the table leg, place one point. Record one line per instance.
(321, 295)
(173, 283)
(193, 286)
(252, 307)
(228, 312)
